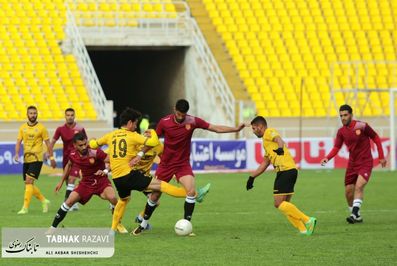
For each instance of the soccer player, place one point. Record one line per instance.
(356, 135)
(94, 181)
(32, 134)
(177, 129)
(122, 148)
(66, 133)
(277, 154)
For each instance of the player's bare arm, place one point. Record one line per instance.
(17, 149)
(50, 152)
(225, 129)
(66, 172)
(261, 168)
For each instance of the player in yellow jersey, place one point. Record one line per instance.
(32, 134)
(122, 149)
(277, 154)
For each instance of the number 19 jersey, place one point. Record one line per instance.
(122, 148)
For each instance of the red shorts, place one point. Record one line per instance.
(86, 189)
(352, 173)
(165, 173)
(75, 171)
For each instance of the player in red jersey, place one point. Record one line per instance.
(66, 133)
(356, 135)
(177, 129)
(94, 181)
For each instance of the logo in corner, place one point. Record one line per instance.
(188, 126)
(91, 160)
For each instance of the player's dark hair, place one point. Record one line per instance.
(129, 114)
(259, 120)
(182, 106)
(69, 110)
(31, 107)
(80, 136)
(346, 107)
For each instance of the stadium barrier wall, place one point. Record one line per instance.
(223, 155)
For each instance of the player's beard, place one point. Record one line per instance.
(84, 152)
(32, 119)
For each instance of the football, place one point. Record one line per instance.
(183, 227)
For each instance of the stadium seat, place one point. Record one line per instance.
(302, 40)
(33, 68)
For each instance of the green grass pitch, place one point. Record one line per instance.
(233, 226)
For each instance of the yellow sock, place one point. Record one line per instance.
(28, 195)
(290, 209)
(298, 224)
(178, 192)
(37, 193)
(118, 213)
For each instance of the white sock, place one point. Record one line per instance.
(357, 203)
(350, 208)
(144, 223)
(65, 207)
(70, 187)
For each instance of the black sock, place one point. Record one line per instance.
(67, 193)
(149, 209)
(189, 207)
(355, 211)
(60, 214)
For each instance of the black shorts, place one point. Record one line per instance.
(135, 180)
(32, 169)
(285, 182)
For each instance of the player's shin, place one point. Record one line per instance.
(118, 213)
(28, 195)
(60, 215)
(69, 189)
(290, 209)
(172, 190)
(37, 193)
(149, 209)
(189, 207)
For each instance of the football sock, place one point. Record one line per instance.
(60, 214)
(290, 209)
(69, 190)
(298, 224)
(149, 209)
(350, 208)
(356, 207)
(118, 213)
(112, 208)
(171, 190)
(37, 193)
(28, 195)
(189, 207)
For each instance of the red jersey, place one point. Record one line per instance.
(89, 164)
(67, 133)
(178, 137)
(357, 137)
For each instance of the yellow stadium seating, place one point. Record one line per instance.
(33, 69)
(276, 44)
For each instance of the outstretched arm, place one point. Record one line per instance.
(65, 175)
(335, 149)
(225, 129)
(261, 168)
(376, 139)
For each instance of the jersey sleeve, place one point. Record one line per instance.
(338, 140)
(369, 131)
(103, 140)
(200, 123)
(101, 154)
(272, 133)
(139, 139)
(20, 134)
(375, 138)
(45, 134)
(57, 133)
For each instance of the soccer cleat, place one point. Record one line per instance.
(45, 204)
(121, 229)
(352, 219)
(202, 192)
(23, 211)
(137, 231)
(50, 231)
(192, 234)
(310, 225)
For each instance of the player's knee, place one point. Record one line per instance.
(154, 197)
(191, 192)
